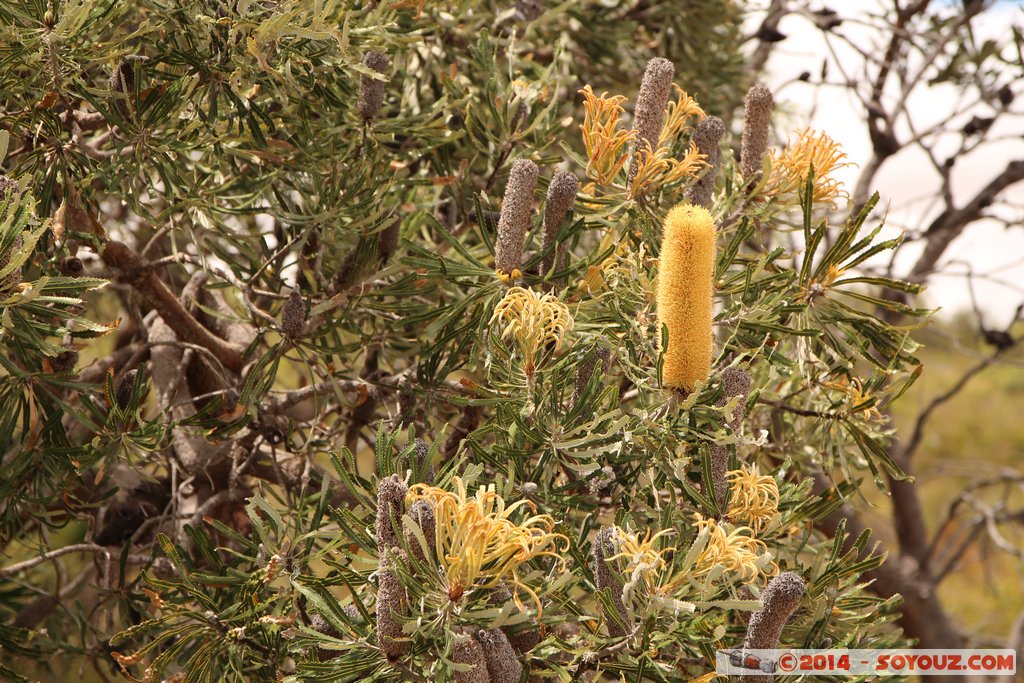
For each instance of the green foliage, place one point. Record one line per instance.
(230, 146)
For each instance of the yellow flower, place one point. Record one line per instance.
(857, 397)
(642, 560)
(685, 295)
(606, 144)
(755, 498)
(679, 114)
(533, 319)
(792, 166)
(478, 545)
(657, 169)
(737, 550)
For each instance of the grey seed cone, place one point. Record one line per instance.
(470, 652)
(122, 86)
(502, 663)
(14, 277)
(72, 266)
(528, 635)
(124, 386)
(371, 90)
(293, 315)
(649, 114)
(597, 359)
(707, 137)
(65, 361)
(606, 577)
(423, 514)
(781, 597)
(757, 117)
(515, 216)
(560, 201)
(736, 382)
(392, 602)
(719, 468)
(390, 508)
(321, 625)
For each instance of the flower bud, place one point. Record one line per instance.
(471, 652)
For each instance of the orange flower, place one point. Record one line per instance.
(792, 167)
(607, 145)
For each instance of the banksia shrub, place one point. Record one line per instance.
(757, 118)
(685, 304)
(514, 222)
(384, 443)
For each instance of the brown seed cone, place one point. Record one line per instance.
(390, 508)
(502, 663)
(707, 136)
(781, 597)
(392, 602)
(736, 382)
(65, 361)
(293, 315)
(719, 468)
(607, 578)
(598, 358)
(514, 222)
(371, 90)
(471, 652)
(14, 277)
(523, 637)
(124, 385)
(561, 198)
(423, 514)
(649, 114)
(757, 118)
(72, 266)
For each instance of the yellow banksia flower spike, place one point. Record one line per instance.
(685, 301)
(755, 497)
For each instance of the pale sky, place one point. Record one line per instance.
(907, 181)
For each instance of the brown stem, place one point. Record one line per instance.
(137, 272)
